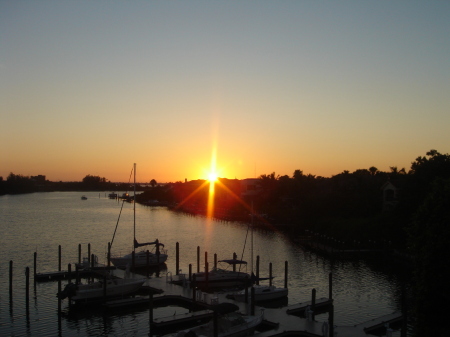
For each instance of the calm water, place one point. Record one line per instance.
(39, 222)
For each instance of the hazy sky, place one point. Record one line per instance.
(91, 87)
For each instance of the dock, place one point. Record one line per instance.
(65, 274)
(284, 321)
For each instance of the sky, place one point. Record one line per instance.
(244, 87)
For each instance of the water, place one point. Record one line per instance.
(39, 222)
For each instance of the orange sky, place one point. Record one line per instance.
(325, 87)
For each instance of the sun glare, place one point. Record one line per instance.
(212, 177)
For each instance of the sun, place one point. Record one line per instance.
(212, 177)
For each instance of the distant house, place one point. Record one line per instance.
(391, 194)
(250, 187)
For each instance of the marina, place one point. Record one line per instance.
(287, 318)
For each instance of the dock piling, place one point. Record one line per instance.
(198, 259)
(177, 258)
(79, 253)
(270, 274)
(313, 303)
(59, 258)
(257, 270)
(27, 287)
(109, 254)
(190, 272)
(10, 280)
(285, 274)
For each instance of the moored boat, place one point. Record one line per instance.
(98, 290)
(262, 293)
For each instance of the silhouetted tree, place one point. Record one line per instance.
(429, 240)
(373, 170)
(153, 183)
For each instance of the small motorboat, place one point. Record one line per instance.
(98, 290)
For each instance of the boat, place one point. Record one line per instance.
(83, 197)
(223, 277)
(261, 292)
(141, 258)
(99, 290)
(230, 324)
(87, 263)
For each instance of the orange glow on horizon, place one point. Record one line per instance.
(212, 176)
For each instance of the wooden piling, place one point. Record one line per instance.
(79, 253)
(206, 259)
(215, 260)
(27, 287)
(206, 275)
(270, 274)
(285, 274)
(190, 272)
(313, 303)
(92, 265)
(10, 279)
(257, 270)
(59, 258)
(89, 253)
(198, 259)
(69, 269)
(158, 253)
(109, 254)
(177, 258)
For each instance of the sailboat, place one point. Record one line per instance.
(262, 292)
(141, 258)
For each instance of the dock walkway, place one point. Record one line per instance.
(283, 319)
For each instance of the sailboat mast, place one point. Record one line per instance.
(251, 261)
(134, 207)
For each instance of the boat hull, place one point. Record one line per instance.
(222, 278)
(98, 290)
(140, 260)
(262, 293)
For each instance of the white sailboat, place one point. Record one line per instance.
(262, 292)
(223, 277)
(141, 258)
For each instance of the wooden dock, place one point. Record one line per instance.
(65, 274)
(283, 321)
